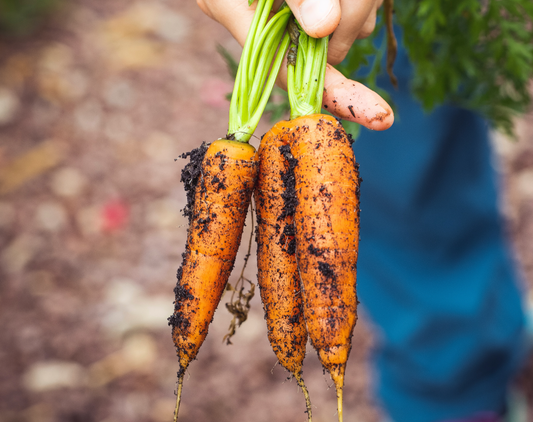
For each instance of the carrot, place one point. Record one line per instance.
(278, 277)
(326, 232)
(327, 211)
(327, 237)
(219, 191)
(220, 206)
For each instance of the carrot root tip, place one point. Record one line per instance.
(178, 394)
(301, 383)
(339, 403)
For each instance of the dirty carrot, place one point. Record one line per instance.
(220, 188)
(327, 235)
(221, 201)
(327, 211)
(278, 277)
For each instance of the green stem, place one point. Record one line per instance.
(305, 78)
(256, 73)
(238, 110)
(311, 53)
(292, 76)
(300, 64)
(244, 133)
(316, 67)
(271, 36)
(264, 34)
(267, 7)
(260, 79)
(302, 59)
(319, 92)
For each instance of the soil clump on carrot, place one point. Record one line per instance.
(278, 278)
(290, 200)
(190, 176)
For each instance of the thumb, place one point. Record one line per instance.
(318, 18)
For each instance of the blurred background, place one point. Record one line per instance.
(97, 100)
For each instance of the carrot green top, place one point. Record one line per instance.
(258, 69)
(306, 72)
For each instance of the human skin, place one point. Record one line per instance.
(347, 20)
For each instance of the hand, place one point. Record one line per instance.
(350, 19)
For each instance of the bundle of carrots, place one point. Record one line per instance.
(306, 186)
(314, 198)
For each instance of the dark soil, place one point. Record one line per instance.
(290, 201)
(190, 175)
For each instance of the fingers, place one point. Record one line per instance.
(318, 18)
(350, 100)
(358, 17)
(353, 101)
(344, 98)
(369, 25)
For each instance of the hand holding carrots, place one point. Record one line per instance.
(350, 20)
(306, 191)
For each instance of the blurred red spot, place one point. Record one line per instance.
(214, 92)
(114, 215)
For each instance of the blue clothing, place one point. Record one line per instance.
(434, 271)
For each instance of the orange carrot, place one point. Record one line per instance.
(278, 277)
(327, 213)
(327, 238)
(221, 199)
(327, 235)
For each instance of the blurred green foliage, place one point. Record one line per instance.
(233, 65)
(476, 54)
(21, 17)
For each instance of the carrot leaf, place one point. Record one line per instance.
(263, 53)
(305, 74)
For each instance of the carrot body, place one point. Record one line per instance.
(221, 199)
(327, 236)
(278, 277)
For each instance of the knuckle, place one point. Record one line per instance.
(367, 28)
(335, 60)
(337, 53)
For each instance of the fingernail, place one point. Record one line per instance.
(314, 12)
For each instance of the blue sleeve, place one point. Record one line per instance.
(434, 269)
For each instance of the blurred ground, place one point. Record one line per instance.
(93, 110)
